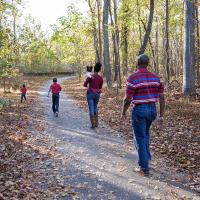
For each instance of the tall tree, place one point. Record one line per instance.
(189, 49)
(124, 34)
(99, 28)
(149, 27)
(94, 29)
(167, 39)
(106, 52)
(198, 44)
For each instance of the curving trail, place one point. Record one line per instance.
(100, 164)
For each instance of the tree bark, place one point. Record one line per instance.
(115, 38)
(124, 36)
(99, 28)
(106, 52)
(198, 46)
(95, 39)
(189, 49)
(167, 58)
(149, 27)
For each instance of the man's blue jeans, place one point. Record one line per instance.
(142, 117)
(93, 100)
(55, 102)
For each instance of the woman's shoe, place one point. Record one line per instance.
(96, 120)
(92, 120)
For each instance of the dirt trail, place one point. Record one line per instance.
(100, 164)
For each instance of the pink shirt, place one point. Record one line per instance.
(55, 88)
(23, 90)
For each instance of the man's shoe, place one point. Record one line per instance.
(56, 114)
(142, 173)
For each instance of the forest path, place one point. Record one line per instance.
(100, 164)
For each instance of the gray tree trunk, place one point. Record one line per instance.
(149, 26)
(167, 58)
(106, 52)
(189, 49)
(99, 28)
(198, 45)
(94, 31)
(124, 36)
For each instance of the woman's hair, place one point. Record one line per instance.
(142, 60)
(97, 67)
(24, 85)
(54, 80)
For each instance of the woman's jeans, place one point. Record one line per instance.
(93, 100)
(142, 117)
(55, 102)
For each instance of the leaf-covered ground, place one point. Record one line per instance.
(28, 161)
(175, 146)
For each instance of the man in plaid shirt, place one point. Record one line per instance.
(143, 89)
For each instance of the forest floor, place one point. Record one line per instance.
(175, 146)
(42, 157)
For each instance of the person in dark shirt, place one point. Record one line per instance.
(94, 85)
(23, 91)
(55, 88)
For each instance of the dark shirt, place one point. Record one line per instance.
(95, 83)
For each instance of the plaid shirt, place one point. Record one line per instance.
(143, 87)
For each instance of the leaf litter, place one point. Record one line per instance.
(175, 146)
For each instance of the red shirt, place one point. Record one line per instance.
(143, 87)
(55, 88)
(95, 83)
(23, 90)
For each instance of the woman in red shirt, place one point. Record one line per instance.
(94, 85)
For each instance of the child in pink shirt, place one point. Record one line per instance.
(23, 91)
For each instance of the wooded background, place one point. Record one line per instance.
(113, 32)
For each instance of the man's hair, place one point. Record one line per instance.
(54, 80)
(142, 60)
(97, 67)
(24, 85)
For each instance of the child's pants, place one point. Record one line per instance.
(55, 102)
(23, 96)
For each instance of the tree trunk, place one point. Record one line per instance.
(149, 27)
(117, 46)
(106, 52)
(138, 13)
(124, 36)
(99, 28)
(151, 45)
(167, 60)
(115, 38)
(189, 50)
(198, 46)
(94, 31)
(157, 51)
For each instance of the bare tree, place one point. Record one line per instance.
(106, 52)
(167, 59)
(149, 27)
(94, 31)
(189, 49)
(99, 28)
